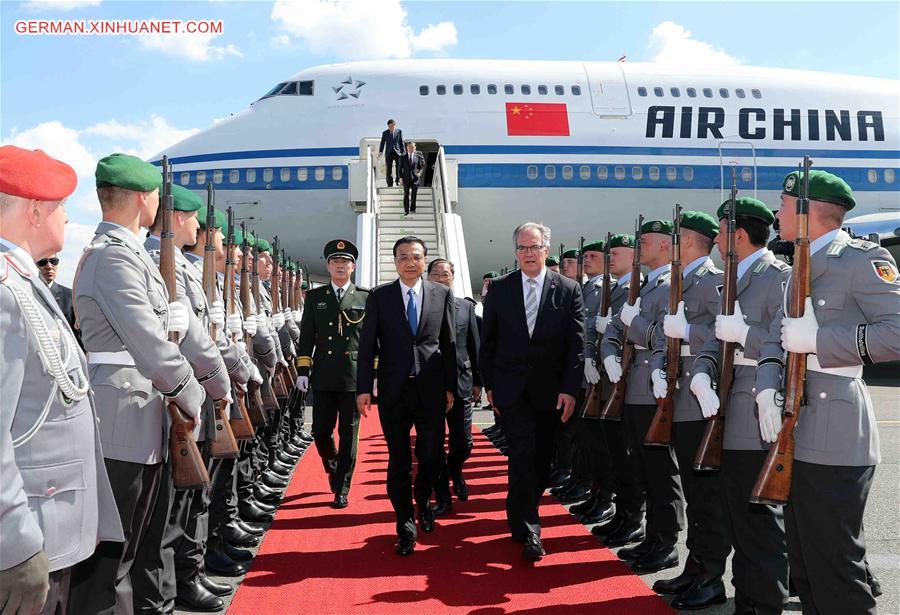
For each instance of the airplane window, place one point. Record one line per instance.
(746, 174)
(542, 90)
(475, 88)
(576, 90)
(740, 93)
(642, 91)
(550, 172)
(568, 173)
(185, 179)
(285, 175)
(458, 89)
(691, 92)
(492, 88)
(602, 173)
(872, 176)
(201, 177)
(509, 89)
(289, 89)
(320, 174)
(671, 174)
(337, 174)
(689, 174)
(723, 92)
(619, 172)
(268, 174)
(756, 93)
(675, 92)
(526, 89)
(218, 176)
(423, 90)
(302, 174)
(275, 90)
(889, 176)
(560, 90)
(441, 90)
(584, 172)
(637, 173)
(658, 92)
(707, 92)
(532, 171)
(251, 176)
(654, 174)
(234, 176)
(305, 88)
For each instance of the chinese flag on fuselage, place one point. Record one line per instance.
(537, 119)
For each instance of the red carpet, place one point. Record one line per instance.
(318, 560)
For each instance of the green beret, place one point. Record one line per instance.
(749, 208)
(823, 186)
(251, 239)
(128, 172)
(491, 275)
(221, 220)
(621, 241)
(701, 222)
(551, 261)
(238, 236)
(341, 247)
(185, 200)
(596, 245)
(263, 246)
(304, 285)
(570, 254)
(657, 226)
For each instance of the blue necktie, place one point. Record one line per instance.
(411, 312)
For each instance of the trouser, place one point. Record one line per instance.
(152, 576)
(658, 472)
(410, 189)
(581, 462)
(57, 602)
(397, 418)
(595, 452)
(102, 584)
(531, 435)
(759, 566)
(706, 534)
(566, 435)
(459, 444)
(826, 542)
(627, 486)
(337, 407)
(223, 507)
(191, 550)
(392, 158)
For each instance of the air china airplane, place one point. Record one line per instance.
(582, 146)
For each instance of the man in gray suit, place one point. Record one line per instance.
(851, 319)
(759, 565)
(55, 497)
(126, 318)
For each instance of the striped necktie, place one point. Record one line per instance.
(531, 305)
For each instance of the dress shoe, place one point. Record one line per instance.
(194, 596)
(220, 564)
(241, 556)
(287, 459)
(504, 450)
(584, 505)
(266, 508)
(460, 488)
(340, 501)
(562, 487)
(273, 481)
(605, 529)
(442, 506)
(534, 549)
(266, 494)
(625, 534)
(281, 469)
(673, 587)
(559, 477)
(426, 519)
(253, 530)
(239, 537)
(638, 551)
(489, 431)
(659, 558)
(601, 511)
(305, 435)
(576, 493)
(405, 546)
(874, 583)
(294, 451)
(702, 593)
(217, 589)
(250, 512)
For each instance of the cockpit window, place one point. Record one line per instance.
(292, 88)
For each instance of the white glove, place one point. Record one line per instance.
(242, 346)
(261, 322)
(660, 386)
(298, 315)
(676, 325)
(613, 366)
(732, 328)
(302, 383)
(769, 414)
(288, 316)
(799, 334)
(178, 319)
(590, 372)
(250, 326)
(233, 323)
(255, 376)
(283, 363)
(601, 322)
(217, 314)
(701, 387)
(628, 312)
(278, 320)
(228, 398)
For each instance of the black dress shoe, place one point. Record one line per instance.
(250, 512)
(534, 549)
(600, 512)
(405, 546)
(576, 493)
(266, 508)
(638, 551)
(874, 583)
(194, 596)
(605, 529)
(241, 556)
(559, 476)
(659, 558)
(266, 494)
(294, 451)
(426, 519)
(279, 468)
(584, 506)
(702, 593)
(273, 481)
(460, 488)
(217, 589)
(286, 459)
(562, 487)
(673, 587)
(625, 534)
(253, 530)
(442, 507)
(340, 501)
(239, 537)
(220, 564)
(305, 435)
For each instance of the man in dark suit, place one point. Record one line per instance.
(459, 419)
(62, 294)
(412, 165)
(392, 140)
(410, 326)
(531, 366)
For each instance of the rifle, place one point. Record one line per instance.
(257, 405)
(612, 411)
(270, 403)
(278, 383)
(579, 268)
(287, 278)
(774, 483)
(591, 407)
(242, 428)
(660, 431)
(224, 446)
(709, 453)
(188, 468)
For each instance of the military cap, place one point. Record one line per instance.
(701, 222)
(34, 175)
(570, 254)
(551, 261)
(251, 239)
(184, 199)
(823, 186)
(341, 248)
(749, 208)
(221, 220)
(595, 245)
(238, 236)
(304, 285)
(657, 226)
(128, 172)
(621, 241)
(262, 245)
(491, 275)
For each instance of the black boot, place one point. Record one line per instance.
(193, 596)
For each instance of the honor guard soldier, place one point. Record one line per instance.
(552, 263)
(329, 340)
(759, 566)
(569, 264)
(55, 498)
(851, 319)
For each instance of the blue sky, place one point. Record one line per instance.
(81, 97)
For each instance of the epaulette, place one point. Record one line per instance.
(10, 262)
(4, 270)
(862, 244)
(472, 300)
(364, 289)
(760, 267)
(781, 265)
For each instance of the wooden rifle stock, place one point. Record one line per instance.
(773, 486)
(660, 431)
(188, 468)
(709, 453)
(242, 427)
(268, 396)
(592, 402)
(256, 405)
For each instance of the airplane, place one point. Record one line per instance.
(581, 146)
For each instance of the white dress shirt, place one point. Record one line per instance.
(745, 263)
(404, 294)
(343, 289)
(538, 289)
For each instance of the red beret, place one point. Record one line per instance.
(32, 174)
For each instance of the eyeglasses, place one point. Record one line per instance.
(43, 262)
(529, 249)
(404, 258)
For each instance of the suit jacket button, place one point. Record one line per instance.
(329, 352)
(126, 385)
(329, 338)
(51, 490)
(823, 395)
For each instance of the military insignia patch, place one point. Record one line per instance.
(340, 245)
(885, 270)
(719, 289)
(789, 183)
(657, 226)
(626, 241)
(321, 305)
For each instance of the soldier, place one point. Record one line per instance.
(700, 584)
(50, 454)
(552, 263)
(759, 566)
(658, 468)
(850, 320)
(569, 264)
(329, 342)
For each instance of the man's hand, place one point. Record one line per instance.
(302, 383)
(261, 322)
(288, 315)
(629, 311)
(660, 386)
(363, 402)
(250, 326)
(590, 372)
(567, 404)
(675, 325)
(476, 393)
(613, 365)
(701, 387)
(24, 587)
(732, 328)
(233, 323)
(490, 396)
(217, 313)
(799, 334)
(255, 376)
(770, 407)
(601, 322)
(278, 320)
(449, 401)
(178, 319)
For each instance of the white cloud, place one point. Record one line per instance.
(143, 138)
(359, 29)
(281, 41)
(58, 141)
(671, 43)
(58, 5)
(77, 237)
(194, 47)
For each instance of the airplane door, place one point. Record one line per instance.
(609, 92)
(740, 156)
